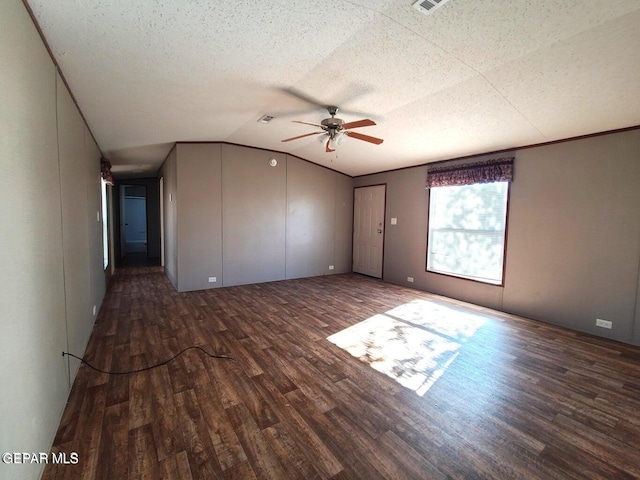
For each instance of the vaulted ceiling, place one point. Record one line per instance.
(474, 76)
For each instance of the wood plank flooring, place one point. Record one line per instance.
(467, 392)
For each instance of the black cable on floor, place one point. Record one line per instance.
(223, 357)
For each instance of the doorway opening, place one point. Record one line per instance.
(133, 223)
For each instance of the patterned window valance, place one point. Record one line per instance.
(499, 170)
(105, 170)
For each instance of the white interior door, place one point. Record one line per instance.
(368, 229)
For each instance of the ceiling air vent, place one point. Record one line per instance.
(265, 118)
(428, 6)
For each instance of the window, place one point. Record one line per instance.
(105, 228)
(106, 178)
(468, 220)
(467, 231)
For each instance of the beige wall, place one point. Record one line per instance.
(242, 221)
(74, 187)
(51, 253)
(311, 211)
(343, 234)
(573, 248)
(169, 172)
(254, 198)
(199, 190)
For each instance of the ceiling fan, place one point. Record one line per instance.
(336, 130)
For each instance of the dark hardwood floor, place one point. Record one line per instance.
(466, 392)
(137, 259)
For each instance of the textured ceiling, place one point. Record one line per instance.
(473, 77)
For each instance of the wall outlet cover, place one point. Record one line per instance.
(410, 279)
(331, 267)
(213, 279)
(604, 323)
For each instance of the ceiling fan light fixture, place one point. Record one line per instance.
(338, 139)
(333, 131)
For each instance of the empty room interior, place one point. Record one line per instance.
(376, 239)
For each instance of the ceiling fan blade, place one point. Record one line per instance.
(358, 123)
(307, 123)
(301, 136)
(303, 96)
(328, 148)
(366, 138)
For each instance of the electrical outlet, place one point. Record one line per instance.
(331, 267)
(94, 310)
(394, 221)
(410, 279)
(213, 279)
(604, 323)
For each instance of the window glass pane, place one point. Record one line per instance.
(105, 231)
(467, 230)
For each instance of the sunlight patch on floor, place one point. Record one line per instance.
(453, 322)
(413, 343)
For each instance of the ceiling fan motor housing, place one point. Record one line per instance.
(332, 125)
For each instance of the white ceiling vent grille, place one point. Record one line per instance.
(428, 6)
(266, 118)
